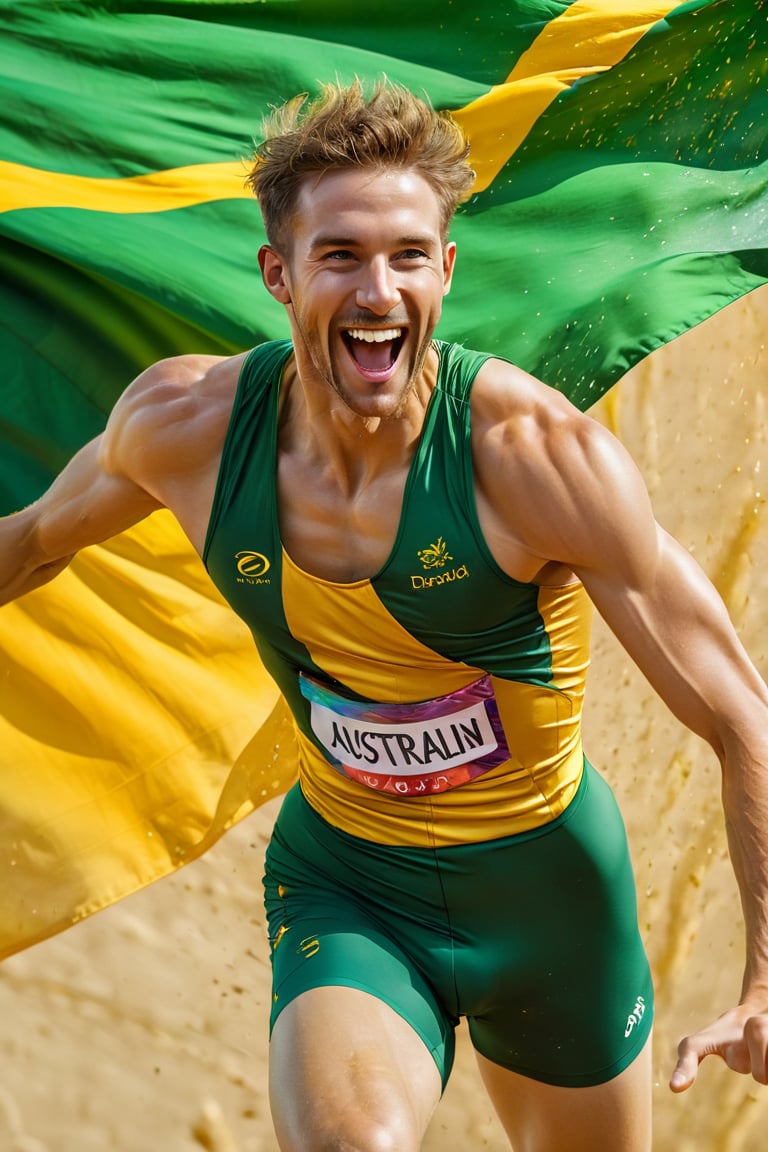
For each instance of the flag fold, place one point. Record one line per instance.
(621, 154)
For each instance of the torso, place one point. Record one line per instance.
(377, 618)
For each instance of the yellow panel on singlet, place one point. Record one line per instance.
(353, 637)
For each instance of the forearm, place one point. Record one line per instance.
(716, 691)
(24, 565)
(37, 543)
(28, 581)
(745, 803)
(85, 505)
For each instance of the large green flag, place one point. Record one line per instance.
(622, 156)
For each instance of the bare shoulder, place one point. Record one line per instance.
(172, 417)
(166, 434)
(505, 396)
(547, 474)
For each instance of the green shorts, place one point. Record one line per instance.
(533, 938)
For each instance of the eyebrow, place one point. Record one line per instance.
(349, 242)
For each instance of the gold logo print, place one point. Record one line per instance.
(253, 564)
(436, 556)
(310, 946)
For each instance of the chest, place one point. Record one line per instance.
(335, 534)
(343, 536)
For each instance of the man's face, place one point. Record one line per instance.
(364, 283)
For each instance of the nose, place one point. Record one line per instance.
(377, 291)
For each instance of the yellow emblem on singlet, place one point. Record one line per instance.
(436, 555)
(252, 567)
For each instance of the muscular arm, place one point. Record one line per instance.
(160, 449)
(83, 506)
(587, 507)
(672, 622)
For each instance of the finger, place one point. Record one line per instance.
(738, 1058)
(756, 1036)
(686, 1068)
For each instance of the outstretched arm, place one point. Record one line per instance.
(677, 630)
(672, 622)
(587, 507)
(85, 505)
(160, 449)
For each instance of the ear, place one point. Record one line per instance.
(449, 260)
(273, 269)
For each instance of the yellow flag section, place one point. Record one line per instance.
(137, 725)
(589, 37)
(25, 187)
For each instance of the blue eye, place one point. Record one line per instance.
(412, 254)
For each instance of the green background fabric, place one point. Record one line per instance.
(635, 208)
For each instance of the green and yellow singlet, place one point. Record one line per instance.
(438, 702)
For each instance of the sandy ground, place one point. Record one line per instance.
(145, 1028)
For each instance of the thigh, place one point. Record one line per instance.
(347, 1071)
(335, 921)
(538, 1117)
(555, 981)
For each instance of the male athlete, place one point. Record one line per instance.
(434, 524)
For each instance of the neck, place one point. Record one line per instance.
(356, 449)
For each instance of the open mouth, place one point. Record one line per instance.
(374, 350)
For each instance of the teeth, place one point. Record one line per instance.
(375, 335)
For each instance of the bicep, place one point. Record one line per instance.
(86, 504)
(586, 506)
(673, 623)
(121, 477)
(652, 594)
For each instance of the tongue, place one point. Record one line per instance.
(374, 357)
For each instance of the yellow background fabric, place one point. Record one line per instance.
(137, 725)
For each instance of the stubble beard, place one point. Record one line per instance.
(323, 366)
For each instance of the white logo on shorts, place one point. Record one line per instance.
(635, 1016)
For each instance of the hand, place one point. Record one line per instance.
(740, 1037)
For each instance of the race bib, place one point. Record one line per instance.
(409, 749)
